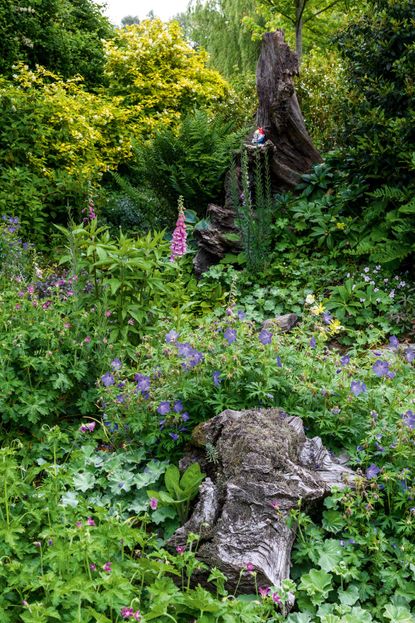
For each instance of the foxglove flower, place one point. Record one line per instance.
(178, 244)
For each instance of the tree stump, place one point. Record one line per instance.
(265, 466)
(279, 112)
(290, 150)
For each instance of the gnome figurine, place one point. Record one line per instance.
(259, 137)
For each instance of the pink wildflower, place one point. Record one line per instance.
(153, 503)
(107, 567)
(90, 521)
(250, 567)
(276, 598)
(87, 428)
(178, 244)
(180, 549)
(264, 592)
(87, 339)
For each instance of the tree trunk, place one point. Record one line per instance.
(290, 150)
(279, 112)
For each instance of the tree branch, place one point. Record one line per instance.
(329, 6)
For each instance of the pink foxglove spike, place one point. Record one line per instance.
(178, 244)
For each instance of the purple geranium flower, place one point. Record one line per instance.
(174, 436)
(265, 337)
(409, 419)
(184, 349)
(171, 336)
(345, 360)
(216, 378)
(185, 416)
(163, 408)
(313, 342)
(393, 341)
(278, 361)
(143, 382)
(381, 368)
(178, 406)
(357, 387)
(230, 335)
(107, 379)
(372, 471)
(410, 355)
(116, 364)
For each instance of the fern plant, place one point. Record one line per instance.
(190, 161)
(389, 225)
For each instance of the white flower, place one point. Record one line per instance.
(310, 299)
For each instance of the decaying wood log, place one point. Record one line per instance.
(265, 467)
(290, 150)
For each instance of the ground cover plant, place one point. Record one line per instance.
(112, 352)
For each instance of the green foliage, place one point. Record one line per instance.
(64, 36)
(321, 90)
(308, 22)
(181, 489)
(191, 162)
(51, 353)
(217, 27)
(253, 203)
(379, 53)
(126, 273)
(338, 213)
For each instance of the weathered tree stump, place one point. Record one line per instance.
(279, 112)
(265, 467)
(290, 150)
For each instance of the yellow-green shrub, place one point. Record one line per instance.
(55, 139)
(157, 75)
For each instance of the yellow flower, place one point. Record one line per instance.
(335, 327)
(341, 225)
(318, 309)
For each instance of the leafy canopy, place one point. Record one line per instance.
(65, 36)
